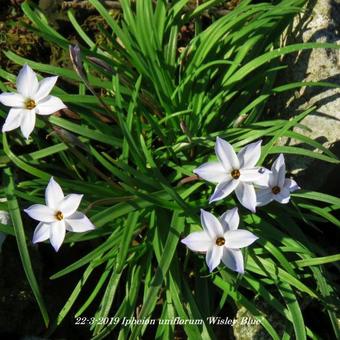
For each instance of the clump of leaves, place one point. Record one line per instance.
(142, 115)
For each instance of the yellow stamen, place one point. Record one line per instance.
(220, 241)
(235, 174)
(30, 104)
(59, 216)
(276, 190)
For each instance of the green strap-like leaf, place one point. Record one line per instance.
(14, 211)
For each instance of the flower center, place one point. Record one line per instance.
(276, 190)
(235, 174)
(59, 216)
(30, 104)
(220, 241)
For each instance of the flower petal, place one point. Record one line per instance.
(12, 99)
(41, 232)
(78, 223)
(57, 234)
(233, 259)
(212, 172)
(5, 217)
(246, 195)
(49, 105)
(45, 87)
(291, 184)
(13, 120)
(211, 225)
(41, 213)
(27, 82)
(283, 196)
(272, 181)
(70, 204)
(230, 219)
(263, 196)
(198, 241)
(223, 189)
(250, 155)
(279, 171)
(213, 257)
(53, 194)
(226, 155)
(27, 122)
(240, 238)
(251, 175)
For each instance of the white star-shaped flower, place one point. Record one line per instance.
(221, 240)
(278, 187)
(58, 215)
(33, 97)
(234, 172)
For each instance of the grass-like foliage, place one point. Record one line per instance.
(145, 108)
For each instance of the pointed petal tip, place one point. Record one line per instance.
(56, 248)
(41, 233)
(24, 66)
(63, 106)
(27, 67)
(35, 241)
(256, 143)
(26, 136)
(234, 209)
(286, 201)
(185, 240)
(211, 267)
(213, 199)
(297, 187)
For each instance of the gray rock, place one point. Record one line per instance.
(246, 328)
(319, 23)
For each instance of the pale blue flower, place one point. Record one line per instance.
(221, 240)
(58, 215)
(32, 97)
(234, 172)
(277, 187)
